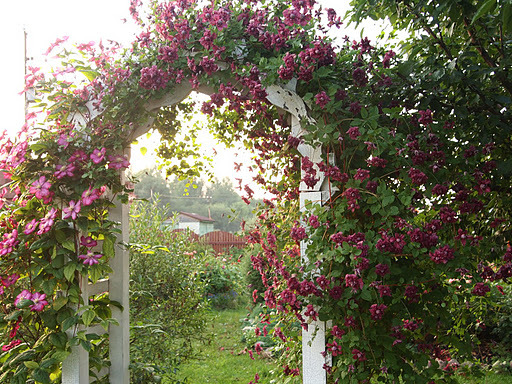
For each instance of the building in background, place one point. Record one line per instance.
(198, 224)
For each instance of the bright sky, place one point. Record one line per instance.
(83, 21)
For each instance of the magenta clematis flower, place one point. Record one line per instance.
(98, 155)
(64, 170)
(72, 211)
(88, 241)
(31, 227)
(24, 295)
(39, 302)
(89, 195)
(41, 188)
(90, 258)
(322, 99)
(10, 280)
(118, 162)
(63, 140)
(11, 345)
(9, 242)
(47, 222)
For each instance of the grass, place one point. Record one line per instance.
(225, 360)
(489, 378)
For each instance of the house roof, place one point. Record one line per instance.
(196, 217)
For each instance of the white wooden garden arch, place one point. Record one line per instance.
(75, 369)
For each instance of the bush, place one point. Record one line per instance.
(167, 303)
(223, 279)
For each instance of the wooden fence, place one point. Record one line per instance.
(220, 241)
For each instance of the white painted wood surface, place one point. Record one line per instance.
(119, 335)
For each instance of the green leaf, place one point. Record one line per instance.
(95, 272)
(42, 376)
(388, 199)
(366, 295)
(393, 210)
(31, 364)
(59, 339)
(89, 73)
(69, 270)
(60, 355)
(484, 9)
(143, 151)
(69, 322)
(88, 316)
(83, 224)
(108, 247)
(60, 302)
(13, 315)
(507, 17)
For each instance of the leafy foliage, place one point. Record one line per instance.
(415, 155)
(167, 305)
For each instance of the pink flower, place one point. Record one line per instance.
(41, 188)
(72, 210)
(353, 281)
(11, 345)
(480, 289)
(337, 332)
(153, 78)
(10, 280)
(417, 177)
(313, 221)
(384, 290)
(382, 269)
(118, 162)
(47, 222)
(63, 140)
(353, 133)
(39, 302)
(334, 348)
(9, 242)
(298, 233)
(310, 312)
(88, 241)
(24, 295)
(362, 174)
(90, 195)
(98, 155)
(64, 170)
(358, 355)
(90, 258)
(377, 311)
(442, 255)
(322, 99)
(30, 227)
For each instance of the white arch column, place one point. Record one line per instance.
(119, 290)
(313, 339)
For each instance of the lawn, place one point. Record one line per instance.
(225, 359)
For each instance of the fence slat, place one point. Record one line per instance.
(221, 241)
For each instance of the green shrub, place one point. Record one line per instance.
(223, 279)
(167, 303)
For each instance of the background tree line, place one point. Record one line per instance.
(217, 200)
